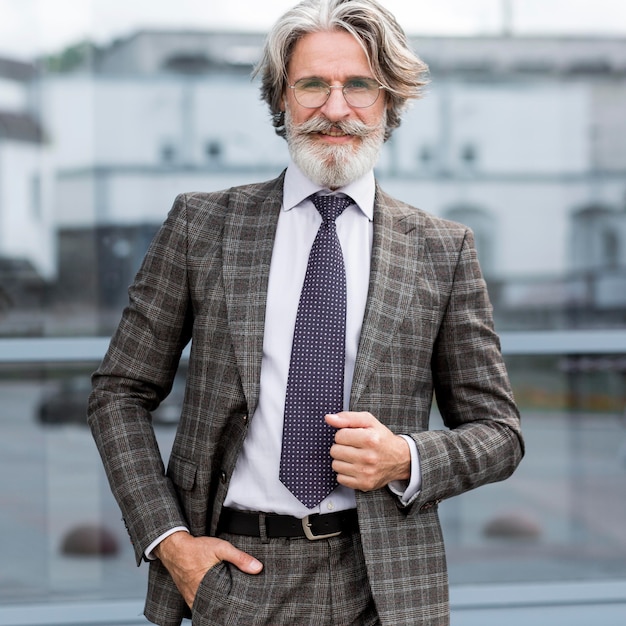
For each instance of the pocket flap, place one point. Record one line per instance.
(182, 472)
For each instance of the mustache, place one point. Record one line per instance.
(349, 127)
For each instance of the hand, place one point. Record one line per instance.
(189, 558)
(366, 454)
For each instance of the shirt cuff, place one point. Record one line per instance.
(407, 491)
(148, 553)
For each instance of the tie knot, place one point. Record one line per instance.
(330, 207)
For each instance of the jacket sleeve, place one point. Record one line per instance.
(134, 377)
(483, 442)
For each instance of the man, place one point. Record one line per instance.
(241, 529)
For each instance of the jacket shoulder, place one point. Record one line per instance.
(231, 198)
(427, 223)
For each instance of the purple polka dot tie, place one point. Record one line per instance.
(316, 370)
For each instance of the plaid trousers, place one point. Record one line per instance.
(303, 583)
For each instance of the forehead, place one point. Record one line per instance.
(334, 55)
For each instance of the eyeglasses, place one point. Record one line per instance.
(313, 93)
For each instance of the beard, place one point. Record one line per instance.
(333, 166)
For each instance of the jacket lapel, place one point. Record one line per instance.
(249, 232)
(396, 261)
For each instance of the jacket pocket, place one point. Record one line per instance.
(182, 472)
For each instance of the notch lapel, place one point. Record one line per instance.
(397, 253)
(249, 232)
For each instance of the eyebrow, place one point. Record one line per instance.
(353, 77)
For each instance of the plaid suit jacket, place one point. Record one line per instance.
(427, 330)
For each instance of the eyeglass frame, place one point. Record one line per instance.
(329, 89)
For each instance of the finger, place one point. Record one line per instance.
(242, 560)
(350, 419)
(342, 468)
(351, 437)
(369, 437)
(348, 477)
(346, 453)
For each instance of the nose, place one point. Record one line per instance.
(336, 108)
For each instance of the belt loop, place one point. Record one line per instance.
(263, 528)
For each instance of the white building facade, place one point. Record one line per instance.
(27, 228)
(520, 138)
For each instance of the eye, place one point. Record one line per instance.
(311, 84)
(361, 84)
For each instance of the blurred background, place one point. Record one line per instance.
(110, 109)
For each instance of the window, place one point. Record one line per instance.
(36, 197)
(599, 238)
(484, 228)
(214, 150)
(168, 152)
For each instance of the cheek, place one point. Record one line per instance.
(368, 118)
(299, 114)
(374, 116)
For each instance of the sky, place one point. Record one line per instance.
(32, 27)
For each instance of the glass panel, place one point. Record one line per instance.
(63, 536)
(561, 515)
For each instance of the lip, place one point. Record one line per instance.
(335, 136)
(334, 133)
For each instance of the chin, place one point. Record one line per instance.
(330, 165)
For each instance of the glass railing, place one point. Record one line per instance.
(559, 519)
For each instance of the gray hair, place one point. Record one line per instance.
(392, 61)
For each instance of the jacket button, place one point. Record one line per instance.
(429, 505)
(244, 417)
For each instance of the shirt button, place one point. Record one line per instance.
(330, 506)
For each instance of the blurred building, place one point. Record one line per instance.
(523, 139)
(520, 138)
(27, 242)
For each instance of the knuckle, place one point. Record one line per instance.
(370, 459)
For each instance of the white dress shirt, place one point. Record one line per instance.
(254, 485)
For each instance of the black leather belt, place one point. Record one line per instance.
(312, 526)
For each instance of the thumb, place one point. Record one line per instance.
(242, 560)
(349, 419)
(336, 420)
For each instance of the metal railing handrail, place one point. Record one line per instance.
(542, 342)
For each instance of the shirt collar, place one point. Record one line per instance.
(298, 187)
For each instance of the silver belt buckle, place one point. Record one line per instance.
(306, 527)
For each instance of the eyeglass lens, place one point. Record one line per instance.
(359, 93)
